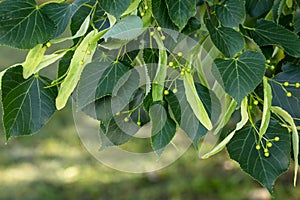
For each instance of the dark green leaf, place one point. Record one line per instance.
(23, 25)
(184, 114)
(109, 79)
(64, 64)
(181, 11)
(150, 55)
(162, 17)
(226, 39)
(231, 13)
(240, 76)
(117, 132)
(297, 21)
(291, 74)
(269, 33)
(192, 26)
(115, 7)
(26, 103)
(242, 149)
(61, 13)
(257, 8)
(163, 127)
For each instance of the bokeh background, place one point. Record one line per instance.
(53, 164)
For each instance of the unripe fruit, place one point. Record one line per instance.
(257, 147)
(276, 138)
(269, 144)
(146, 7)
(139, 123)
(166, 92)
(288, 94)
(151, 33)
(48, 44)
(171, 64)
(266, 150)
(142, 14)
(267, 154)
(297, 85)
(163, 37)
(179, 54)
(286, 84)
(255, 102)
(126, 119)
(118, 114)
(175, 90)
(159, 28)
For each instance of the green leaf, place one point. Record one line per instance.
(290, 74)
(181, 11)
(163, 127)
(61, 13)
(195, 102)
(27, 105)
(115, 7)
(257, 8)
(23, 25)
(162, 17)
(231, 13)
(297, 21)
(226, 39)
(117, 132)
(33, 59)
(240, 76)
(269, 33)
(184, 114)
(239, 125)
(126, 29)
(82, 56)
(109, 79)
(242, 148)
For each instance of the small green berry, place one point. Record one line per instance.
(269, 144)
(182, 69)
(126, 119)
(118, 113)
(188, 70)
(142, 14)
(272, 67)
(171, 64)
(48, 44)
(258, 147)
(162, 37)
(267, 154)
(179, 54)
(151, 33)
(266, 150)
(286, 84)
(255, 102)
(276, 138)
(291, 24)
(166, 92)
(182, 73)
(139, 123)
(146, 7)
(159, 28)
(175, 90)
(288, 94)
(268, 61)
(297, 85)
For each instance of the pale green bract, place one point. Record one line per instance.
(240, 125)
(82, 56)
(295, 137)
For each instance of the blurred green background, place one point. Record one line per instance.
(53, 164)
